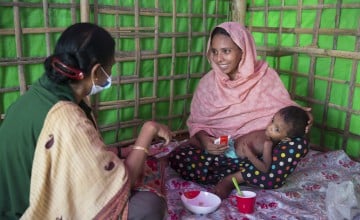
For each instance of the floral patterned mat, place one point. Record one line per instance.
(302, 197)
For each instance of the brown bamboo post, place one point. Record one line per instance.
(74, 11)
(156, 60)
(313, 59)
(188, 69)
(84, 10)
(239, 11)
(325, 117)
(204, 17)
(173, 60)
(84, 16)
(18, 33)
(137, 64)
(46, 24)
(351, 97)
(266, 22)
(297, 44)
(96, 11)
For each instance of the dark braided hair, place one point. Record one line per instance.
(79, 48)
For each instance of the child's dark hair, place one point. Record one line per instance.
(296, 118)
(79, 48)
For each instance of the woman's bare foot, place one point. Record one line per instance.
(224, 188)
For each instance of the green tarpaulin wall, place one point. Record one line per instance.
(313, 44)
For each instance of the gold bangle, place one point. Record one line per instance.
(141, 148)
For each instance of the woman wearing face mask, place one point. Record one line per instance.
(53, 161)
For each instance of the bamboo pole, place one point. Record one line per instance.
(266, 22)
(312, 51)
(239, 11)
(84, 10)
(84, 16)
(173, 61)
(305, 7)
(189, 66)
(137, 64)
(46, 24)
(329, 86)
(313, 59)
(18, 38)
(351, 97)
(295, 66)
(156, 60)
(73, 11)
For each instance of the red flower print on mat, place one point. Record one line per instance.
(347, 165)
(269, 205)
(152, 165)
(293, 194)
(179, 184)
(330, 176)
(314, 187)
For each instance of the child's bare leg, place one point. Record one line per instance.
(225, 186)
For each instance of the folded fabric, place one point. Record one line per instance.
(341, 201)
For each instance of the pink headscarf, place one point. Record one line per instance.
(221, 106)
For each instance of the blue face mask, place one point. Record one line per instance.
(96, 88)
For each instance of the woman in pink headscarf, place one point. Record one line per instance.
(238, 95)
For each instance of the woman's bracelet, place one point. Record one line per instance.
(137, 147)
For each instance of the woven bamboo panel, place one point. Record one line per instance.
(160, 55)
(28, 32)
(314, 46)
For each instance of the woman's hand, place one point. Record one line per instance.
(162, 131)
(153, 129)
(207, 143)
(136, 158)
(247, 151)
(216, 149)
(239, 145)
(311, 119)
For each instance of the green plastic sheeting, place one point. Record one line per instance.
(340, 80)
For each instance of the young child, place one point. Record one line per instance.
(288, 124)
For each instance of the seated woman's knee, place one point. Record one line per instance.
(146, 205)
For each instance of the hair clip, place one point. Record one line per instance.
(77, 74)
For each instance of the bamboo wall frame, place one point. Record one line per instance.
(243, 12)
(315, 52)
(84, 11)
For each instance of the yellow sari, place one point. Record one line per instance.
(73, 175)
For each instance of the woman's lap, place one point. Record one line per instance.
(145, 205)
(286, 155)
(197, 165)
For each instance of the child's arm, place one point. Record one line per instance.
(259, 164)
(267, 154)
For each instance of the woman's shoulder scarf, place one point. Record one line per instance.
(221, 106)
(73, 175)
(19, 133)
